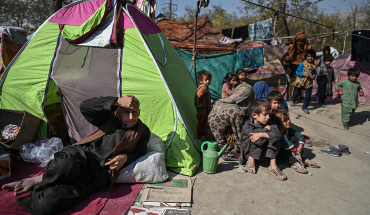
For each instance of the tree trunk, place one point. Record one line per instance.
(56, 5)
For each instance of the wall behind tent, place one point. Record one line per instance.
(217, 64)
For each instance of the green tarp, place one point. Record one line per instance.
(217, 64)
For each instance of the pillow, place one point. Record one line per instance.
(150, 168)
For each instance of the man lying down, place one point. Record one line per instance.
(93, 163)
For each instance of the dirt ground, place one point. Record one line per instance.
(341, 186)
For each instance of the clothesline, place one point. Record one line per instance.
(321, 35)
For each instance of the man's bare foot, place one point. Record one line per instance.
(10, 186)
(27, 185)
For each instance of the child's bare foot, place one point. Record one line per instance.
(251, 166)
(26, 185)
(10, 186)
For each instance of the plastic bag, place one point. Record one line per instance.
(41, 154)
(150, 168)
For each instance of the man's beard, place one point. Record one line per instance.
(127, 126)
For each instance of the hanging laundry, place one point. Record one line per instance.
(226, 40)
(261, 30)
(274, 52)
(241, 32)
(361, 46)
(227, 32)
(252, 57)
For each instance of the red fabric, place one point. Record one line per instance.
(362, 92)
(115, 201)
(201, 125)
(294, 149)
(339, 90)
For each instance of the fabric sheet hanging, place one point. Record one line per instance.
(361, 46)
(227, 32)
(251, 58)
(241, 32)
(275, 52)
(261, 30)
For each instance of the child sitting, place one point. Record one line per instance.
(203, 101)
(306, 72)
(260, 139)
(349, 91)
(324, 80)
(292, 143)
(241, 74)
(230, 82)
(276, 99)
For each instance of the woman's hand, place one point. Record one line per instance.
(116, 162)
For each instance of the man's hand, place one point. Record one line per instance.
(268, 127)
(116, 162)
(306, 75)
(361, 94)
(312, 77)
(341, 92)
(129, 102)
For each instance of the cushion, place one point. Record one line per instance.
(150, 168)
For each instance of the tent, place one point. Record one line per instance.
(341, 66)
(181, 34)
(11, 41)
(106, 48)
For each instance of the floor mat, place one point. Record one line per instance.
(115, 201)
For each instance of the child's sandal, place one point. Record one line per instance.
(313, 165)
(299, 169)
(277, 174)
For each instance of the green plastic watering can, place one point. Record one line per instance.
(211, 156)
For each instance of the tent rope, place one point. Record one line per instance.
(83, 63)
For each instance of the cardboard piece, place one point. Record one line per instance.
(171, 191)
(28, 127)
(5, 170)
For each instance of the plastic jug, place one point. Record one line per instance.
(211, 156)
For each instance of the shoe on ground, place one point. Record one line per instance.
(229, 158)
(346, 127)
(343, 149)
(308, 143)
(306, 111)
(332, 150)
(292, 104)
(242, 170)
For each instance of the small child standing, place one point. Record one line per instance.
(260, 139)
(230, 82)
(292, 143)
(306, 72)
(203, 101)
(324, 79)
(325, 51)
(349, 91)
(241, 74)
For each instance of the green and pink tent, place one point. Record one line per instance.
(106, 48)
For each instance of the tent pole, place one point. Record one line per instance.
(195, 42)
